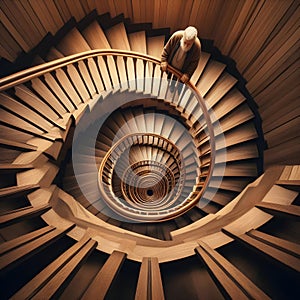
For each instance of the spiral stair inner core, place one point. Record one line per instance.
(111, 178)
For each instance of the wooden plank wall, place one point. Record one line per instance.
(262, 36)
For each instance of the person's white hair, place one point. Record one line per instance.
(190, 33)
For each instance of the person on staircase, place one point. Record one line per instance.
(182, 51)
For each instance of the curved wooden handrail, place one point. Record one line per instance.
(39, 70)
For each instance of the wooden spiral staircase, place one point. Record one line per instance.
(61, 240)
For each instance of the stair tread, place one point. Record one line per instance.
(95, 36)
(72, 43)
(137, 41)
(211, 73)
(117, 37)
(155, 45)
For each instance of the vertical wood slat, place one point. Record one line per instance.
(14, 32)
(85, 7)
(232, 282)
(286, 153)
(112, 8)
(281, 115)
(120, 7)
(46, 275)
(19, 254)
(278, 135)
(55, 14)
(268, 249)
(172, 15)
(149, 284)
(136, 9)
(34, 18)
(103, 280)
(285, 89)
(46, 15)
(6, 53)
(63, 10)
(239, 16)
(287, 26)
(275, 65)
(102, 7)
(20, 19)
(9, 48)
(264, 21)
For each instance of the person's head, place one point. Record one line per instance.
(189, 37)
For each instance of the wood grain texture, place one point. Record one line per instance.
(103, 280)
(234, 282)
(149, 284)
(272, 250)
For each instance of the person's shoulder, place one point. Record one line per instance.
(197, 43)
(177, 34)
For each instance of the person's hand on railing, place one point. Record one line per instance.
(163, 66)
(184, 78)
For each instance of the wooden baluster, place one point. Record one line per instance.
(26, 238)
(126, 67)
(41, 100)
(76, 65)
(232, 282)
(152, 76)
(74, 85)
(285, 211)
(115, 58)
(284, 245)
(54, 74)
(105, 277)
(144, 74)
(85, 61)
(95, 58)
(149, 284)
(105, 58)
(18, 215)
(135, 71)
(34, 286)
(44, 81)
(17, 255)
(265, 247)
(17, 191)
(60, 280)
